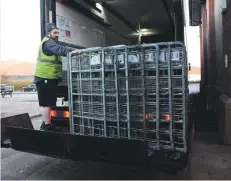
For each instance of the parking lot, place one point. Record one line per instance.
(210, 160)
(20, 103)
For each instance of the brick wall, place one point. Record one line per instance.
(216, 43)
(208, 46)
(213, 49)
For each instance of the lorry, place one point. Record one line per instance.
(99, 27)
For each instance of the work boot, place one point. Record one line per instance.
(46, 127)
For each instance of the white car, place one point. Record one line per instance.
(6, 87)
(6, 90)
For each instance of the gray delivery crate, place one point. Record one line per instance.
(131, 92)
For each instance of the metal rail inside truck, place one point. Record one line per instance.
(124, 97)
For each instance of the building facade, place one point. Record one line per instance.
(214, 19)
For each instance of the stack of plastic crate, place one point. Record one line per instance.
(135, 89)
(111, 95)
(172, 95)
(121, 93)
(151, 85)
(87, 94)
(133, 92)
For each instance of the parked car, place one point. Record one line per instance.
(29, 88)
(6, 89)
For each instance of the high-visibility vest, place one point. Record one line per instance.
(49, 67)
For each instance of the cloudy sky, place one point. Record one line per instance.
(20, 32)
(20, 29)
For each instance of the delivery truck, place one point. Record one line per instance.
(123, 98)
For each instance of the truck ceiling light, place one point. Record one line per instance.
(99, 6)
(145, 32)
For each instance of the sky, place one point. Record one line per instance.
(192, 36)
(20, 32)
(20, 29)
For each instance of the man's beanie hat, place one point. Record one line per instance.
(50, 26)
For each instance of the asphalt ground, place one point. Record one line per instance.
(20, 103)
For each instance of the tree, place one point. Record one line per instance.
(4, 79)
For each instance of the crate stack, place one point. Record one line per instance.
(87, 93)
(132, 92)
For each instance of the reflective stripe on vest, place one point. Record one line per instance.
(49, 67)
(49, 61)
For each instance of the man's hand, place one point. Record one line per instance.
(74, 53)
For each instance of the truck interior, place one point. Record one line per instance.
(136, 22)
(133, 21)
(142, 21)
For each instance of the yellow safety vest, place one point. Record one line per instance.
(49, 67)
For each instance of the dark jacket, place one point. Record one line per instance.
(52, 48)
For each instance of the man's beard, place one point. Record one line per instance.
(56, 39)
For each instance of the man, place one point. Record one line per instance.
(48, 72)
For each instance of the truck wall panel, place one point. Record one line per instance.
(87, 33)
